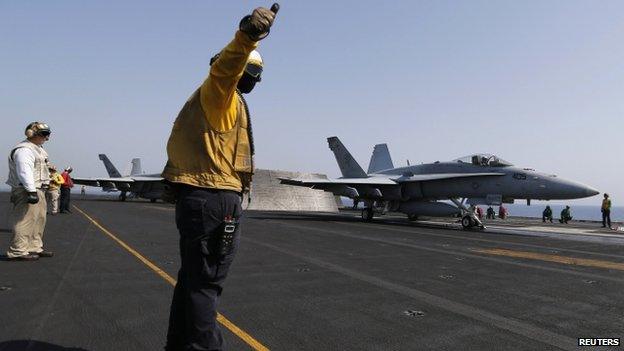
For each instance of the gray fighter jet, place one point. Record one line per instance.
(147, 186)
(424, 190)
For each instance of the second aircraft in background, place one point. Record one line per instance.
(147, 186)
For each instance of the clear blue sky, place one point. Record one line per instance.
(540, 83)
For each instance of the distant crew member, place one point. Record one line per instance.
(83, 190)
(547, 214)
(29, 177)
(66, 190)
(490, 214)
(566, 215)
(210, 165)
(502, 212)
(479, 212)
(606, 211)
(52, 195)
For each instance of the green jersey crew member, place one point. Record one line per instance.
(209, 166)
(29, 178)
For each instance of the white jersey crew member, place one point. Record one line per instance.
(29, 178)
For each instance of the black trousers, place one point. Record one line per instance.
(65, 197)
(606, 218)
(200, 215)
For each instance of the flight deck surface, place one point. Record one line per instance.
(318, 281)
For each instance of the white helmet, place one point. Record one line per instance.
(254, 64)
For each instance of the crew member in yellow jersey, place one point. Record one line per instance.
(606, 211)
(210, 164)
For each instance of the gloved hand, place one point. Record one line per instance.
(33, 198)
(258, 24)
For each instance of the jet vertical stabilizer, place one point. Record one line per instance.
(136, 167)
(380, 159)
(348, 165)
(110, 168)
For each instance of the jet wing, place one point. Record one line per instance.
(146, 179)
(319, 183)
(86, 181)
(122, 183)
(372, 187)
(438, 176)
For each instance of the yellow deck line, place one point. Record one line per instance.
(224, 321)
(554, 258)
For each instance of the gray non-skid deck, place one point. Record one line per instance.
(315, 281)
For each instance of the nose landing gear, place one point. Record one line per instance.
(468, 222)
(470, 219)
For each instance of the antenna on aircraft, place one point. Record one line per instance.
(408, 162)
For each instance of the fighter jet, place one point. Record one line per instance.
(147, 186)
(426, 189)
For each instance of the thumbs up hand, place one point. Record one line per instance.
(258, 25)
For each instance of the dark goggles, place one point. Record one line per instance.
(44, 133)
(253, 70)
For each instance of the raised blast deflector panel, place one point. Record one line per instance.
(268, 194)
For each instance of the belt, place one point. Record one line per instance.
(187, 187)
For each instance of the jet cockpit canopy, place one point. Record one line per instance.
(487, 160)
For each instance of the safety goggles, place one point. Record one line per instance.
(253, 70)
(41, 129)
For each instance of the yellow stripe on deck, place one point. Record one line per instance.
(553, 258)
(224, 321)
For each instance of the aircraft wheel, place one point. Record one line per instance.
(467, 222)
(152, 200)
(412, 217)
(367, 214)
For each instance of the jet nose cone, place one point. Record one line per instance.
(566, 189)
(591, 191)
(582, 190)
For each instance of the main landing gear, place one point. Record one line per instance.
(368, 213)
(373, 207)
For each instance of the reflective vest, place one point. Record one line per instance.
(41, 174)
(202, 156)
(210, 145)
(55, 181)
(606, 204)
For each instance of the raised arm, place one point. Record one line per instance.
(218, 92)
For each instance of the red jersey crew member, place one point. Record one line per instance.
(29, 178)
(68, 183)
(209, 166)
